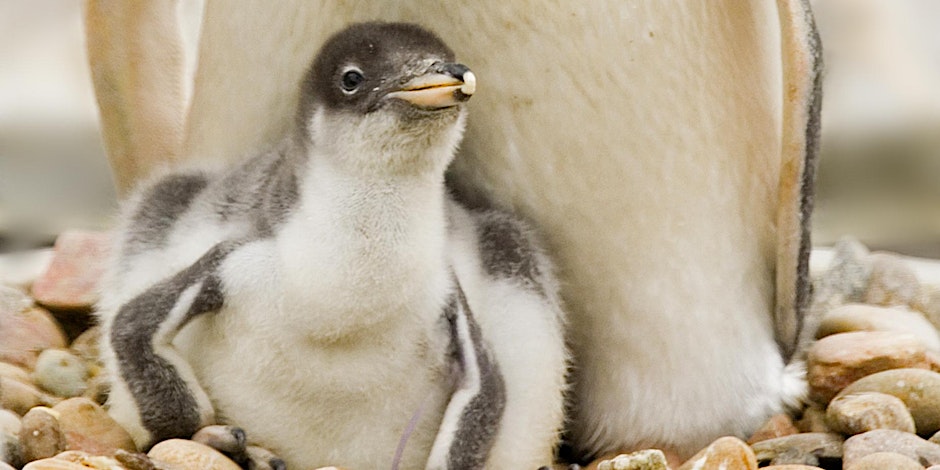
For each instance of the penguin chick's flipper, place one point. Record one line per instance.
(170, 403)
(473, 414)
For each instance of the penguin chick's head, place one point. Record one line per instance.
(385, 96)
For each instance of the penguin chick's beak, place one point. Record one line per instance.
(444, 86)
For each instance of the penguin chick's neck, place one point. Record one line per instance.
(397, 142)
(372, 222)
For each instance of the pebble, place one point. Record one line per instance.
(858, 317)
(189, 454)
(20, 397)
(11, 371)
(813, 420)
(791, 467)
(134, 460)
(919, 390)
(61, 373)
(726, 453)
(41, 437)
(835, 361)
(78, 262)
(6, 466)
(85, 345)
(26, 333)
(13, 300)
(858, 413)
(89, 428)
(933, 358)
(98, 389)
(76, 460)
(892, 282)
(886, 440)
(54, 464)
(778, 425)
(87, 460)
(802, 449)
(885, 461)
(650, 459)
(9, 422)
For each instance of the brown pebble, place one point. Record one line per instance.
(726, 453)
(13, 299)
(836, 361)
(86, 345)
(933, 359)
(885, 461)
(802, 449)
(134, 460)
(20, 397)
(40, 435)
(813, 420)
(919, 390)
(89, 428)
(860, 317)
(98, 389)
(14, 372)
(87, 460)
(54, 464)
(862, 412)
(887, 440)
(25, 334)
(778, 425)
(78, 263)
(189, 454)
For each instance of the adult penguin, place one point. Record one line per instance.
(665, 149)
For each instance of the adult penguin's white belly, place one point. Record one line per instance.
(656, 144)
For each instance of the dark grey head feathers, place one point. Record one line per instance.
(359, 67)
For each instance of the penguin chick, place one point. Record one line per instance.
(329, 297)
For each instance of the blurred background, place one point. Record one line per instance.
(53, 169)
(878, 175)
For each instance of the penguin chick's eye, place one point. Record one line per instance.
(351, 80)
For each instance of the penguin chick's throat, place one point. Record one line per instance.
(385, 143)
